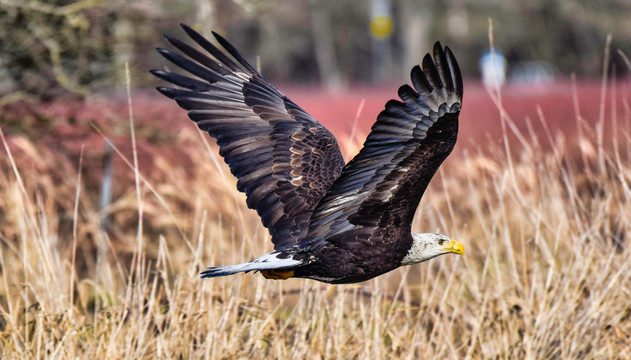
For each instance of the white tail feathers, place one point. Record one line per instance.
(266, 262)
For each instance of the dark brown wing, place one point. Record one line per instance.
(284, 159)
(376, 196)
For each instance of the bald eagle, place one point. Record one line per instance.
(329, 221)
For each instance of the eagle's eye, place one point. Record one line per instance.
(442, 242)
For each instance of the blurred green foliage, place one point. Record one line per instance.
(54, 46)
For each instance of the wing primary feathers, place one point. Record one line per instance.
(212, 49)
(431, 74)
(455, 71)
(407, 94)
(196, 55)
(190, 66)
(188, 94)
(182, 81)
(440, 61)
(234, 52)
(419, 81)
(169, 92)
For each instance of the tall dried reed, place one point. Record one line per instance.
(547, 273)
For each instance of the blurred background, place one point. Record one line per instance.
(50, 48)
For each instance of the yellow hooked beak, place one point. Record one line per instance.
(454, 247)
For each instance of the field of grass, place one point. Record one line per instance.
(544, 219)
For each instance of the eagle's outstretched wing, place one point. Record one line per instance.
(284, 159)
(380, 189)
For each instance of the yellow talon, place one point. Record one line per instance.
(277, 274)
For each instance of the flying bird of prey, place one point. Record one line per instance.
(329, 221)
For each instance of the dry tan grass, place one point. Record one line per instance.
(547, 273)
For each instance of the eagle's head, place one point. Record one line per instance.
(430, 245)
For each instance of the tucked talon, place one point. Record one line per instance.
(277, 274)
